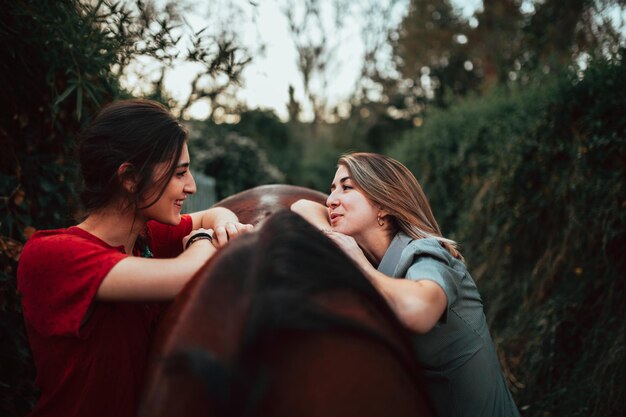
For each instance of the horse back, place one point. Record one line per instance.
(282, 323)
(256, 204)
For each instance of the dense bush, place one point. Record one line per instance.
(55, 71)
(533, 185)
(60, 61)
(236, 162)
(274, 137)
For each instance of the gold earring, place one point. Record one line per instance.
(380, 221)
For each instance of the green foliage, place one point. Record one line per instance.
(318, 168)
(533, 185)
(60, 62)
(319, 145)
(467, 136)
(55, 70)
(442, 57)
(274, 138)
(441, 54)
(236, 162)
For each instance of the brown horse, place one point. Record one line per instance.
(256, 204)
(281, 323)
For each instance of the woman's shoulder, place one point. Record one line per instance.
(427, 250)
(49, 238)
(60, 239)
(426, 259)
(55, 254)
(61, 246)
(428, 247)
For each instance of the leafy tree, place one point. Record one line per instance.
(496, 42)
(55, 71)
(274, 138)
(441, 54)
(558, 31)
(431, 51)
(60, 62)
(293, 107)
(315, 48)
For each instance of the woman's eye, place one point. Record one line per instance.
(181, 174)
(347, 187)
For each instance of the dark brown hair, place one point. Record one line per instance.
(142, 133)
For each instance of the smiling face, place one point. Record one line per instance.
(349, 211)
(167, 208)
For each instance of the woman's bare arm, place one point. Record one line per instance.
(418, 304)
(143, 279)
(313, 212)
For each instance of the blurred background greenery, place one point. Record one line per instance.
(513, 119)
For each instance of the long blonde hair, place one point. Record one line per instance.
(390, 185)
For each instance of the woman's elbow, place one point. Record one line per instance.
(301, 205)
(312, 212)
(420, 316)
(417, 324)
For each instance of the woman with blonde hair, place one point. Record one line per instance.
(378, 214)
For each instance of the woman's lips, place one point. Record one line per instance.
(334, 218)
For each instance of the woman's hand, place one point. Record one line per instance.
(224, 222)
(352, 249)
(229, 230)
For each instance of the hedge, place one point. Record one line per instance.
(532, 183)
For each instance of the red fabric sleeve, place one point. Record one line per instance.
(58, 277)
(166, 240)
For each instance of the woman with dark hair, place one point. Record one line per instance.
(89, 292)
(379, 215)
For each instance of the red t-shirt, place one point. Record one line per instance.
(96, 369)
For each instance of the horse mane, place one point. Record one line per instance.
(294, 263)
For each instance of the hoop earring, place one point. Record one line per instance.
(380, 221)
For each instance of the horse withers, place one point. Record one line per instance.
(256, 204)
(281, 323)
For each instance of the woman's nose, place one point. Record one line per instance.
(190, 186)
(332, 200)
